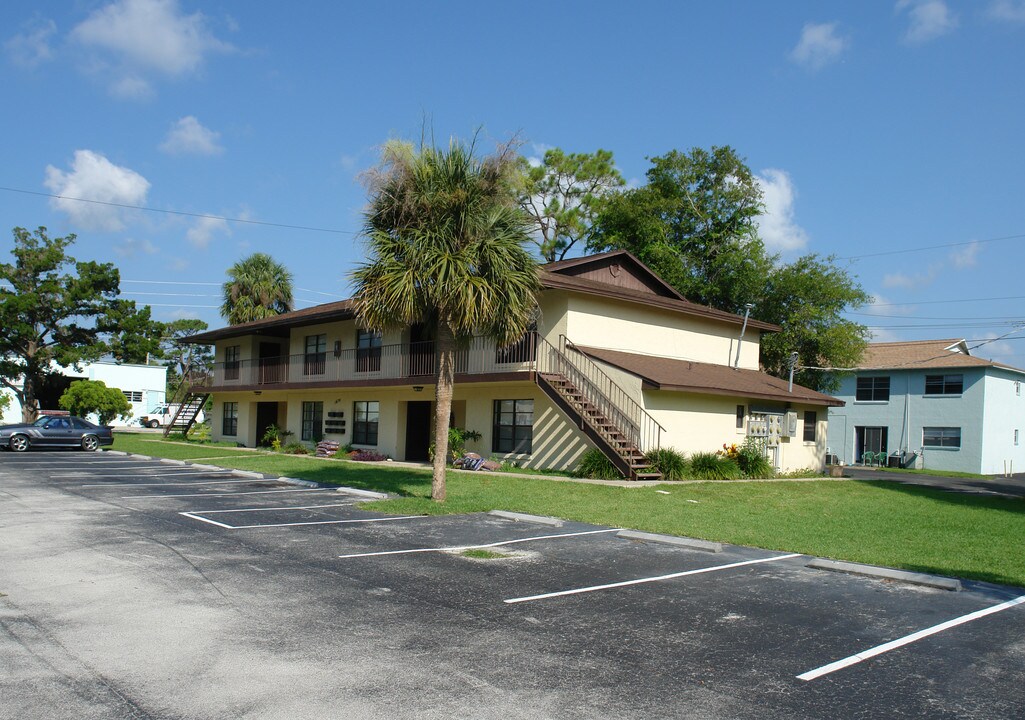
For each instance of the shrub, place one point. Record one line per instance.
(367, 456)
(752, 461)
(295, 448)
(200, 432)
(670, 462)
(594, 464)
(275, 437)
(714, 466)
(457, 438)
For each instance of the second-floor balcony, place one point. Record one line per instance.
(413, 362)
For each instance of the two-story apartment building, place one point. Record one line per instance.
(931, 397)
(618, 359)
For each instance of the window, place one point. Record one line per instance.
(232, 362)
(873, 389)
(365, 414)
(810, 419)
(944, 384)
(132, 395)
(315, 360)
(740, 417)
(229, 425)
(1016, 437)
(368, 351)
(941, 437)
(80, 424)
(514, 426)
(1017, 388)
(313, 421)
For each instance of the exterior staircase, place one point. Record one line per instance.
(611, 419)
(189, 403)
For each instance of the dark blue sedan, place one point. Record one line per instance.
(55, 431)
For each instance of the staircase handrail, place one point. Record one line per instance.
(639, 427)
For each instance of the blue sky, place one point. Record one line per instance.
(876, 127)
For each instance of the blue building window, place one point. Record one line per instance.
(944, 384)
(941, 437)
(873, 389)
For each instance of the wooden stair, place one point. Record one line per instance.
(188, 410)
(606, 435)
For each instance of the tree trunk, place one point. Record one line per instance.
(27, 396)
(445, 344)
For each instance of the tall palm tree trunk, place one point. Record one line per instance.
(445, 343)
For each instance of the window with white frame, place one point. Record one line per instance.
(313, 421)
(229, 424)
(232, 362)
(941, 437)
(811, 419)
(365, 417)
(513, 430)
(132, 395)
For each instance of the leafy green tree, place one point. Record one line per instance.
(258, 287)
(133, 336)
(563, 194)
(52, 317)
(93, 396)
(446, 249)
(179, 355)
(5, 402)
(695, 224)
(808, 298)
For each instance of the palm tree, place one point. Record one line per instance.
(446, 247)
(257, 288)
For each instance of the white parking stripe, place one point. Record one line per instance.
(253, 492)
(639, 581)
(907, 640)
(173, 484)
(87, 475)
(458, 548)
(274, 509)
(196, 516)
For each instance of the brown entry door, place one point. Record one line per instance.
(418, 430)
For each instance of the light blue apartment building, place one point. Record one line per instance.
(933, 398)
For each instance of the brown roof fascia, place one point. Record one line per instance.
(341, 310)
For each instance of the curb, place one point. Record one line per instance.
(247, 474)
(686, 542)
(368, 494)
(169, 461)
(141, 457)
(523, 517)
(211, 468)
(116, 452)
(883, 573)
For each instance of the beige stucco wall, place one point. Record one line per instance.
(630, 327)
(557, 443)
(704, 423)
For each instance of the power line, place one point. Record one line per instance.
(940, 302)
(180, 212)
(932, 247)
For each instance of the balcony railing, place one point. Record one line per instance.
(416, 362)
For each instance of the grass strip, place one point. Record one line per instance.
(876, 522)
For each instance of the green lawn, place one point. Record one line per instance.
(877, 522)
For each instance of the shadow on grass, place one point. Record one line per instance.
(960, 498)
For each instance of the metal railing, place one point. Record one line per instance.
(602, 392)
(414, 361)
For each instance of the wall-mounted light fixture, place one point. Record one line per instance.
(418, 388)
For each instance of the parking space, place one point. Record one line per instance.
(571, 611)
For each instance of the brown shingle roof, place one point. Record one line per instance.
(706, 378)
(949, 353)
(551, 278)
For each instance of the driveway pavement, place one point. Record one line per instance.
(1013, 486)
(132, 588)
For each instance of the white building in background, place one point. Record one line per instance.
(143, 386)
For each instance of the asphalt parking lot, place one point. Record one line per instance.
(135, 588)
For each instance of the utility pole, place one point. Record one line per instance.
(743, 329)
(793, 366)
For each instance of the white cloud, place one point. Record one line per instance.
(965, 257)
(1007, 11)
(93, 177)
(819, 46)
(189, 137)
(776, 225)
(132, 247)
(929, 19)
(131, 87)
(132, 37)
(32, 47)
(206, 230)
(957, 259)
